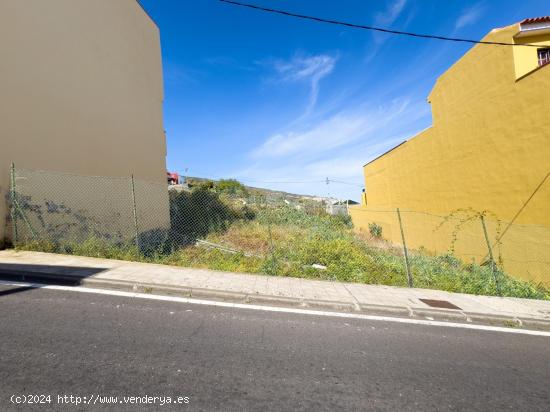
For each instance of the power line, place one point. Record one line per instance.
(277, 181)
(285, 181)
(344, 183)
(299, 181)
(379, 29)
(257, 181)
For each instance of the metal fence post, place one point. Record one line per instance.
(409, 274)
(135, 212)
(12, 208)
(271, 248)
(493, 266)
(17, 209)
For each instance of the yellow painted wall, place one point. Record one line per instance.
(488, 150)
(526, 58)
(81, 92)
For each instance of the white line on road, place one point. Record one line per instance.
(81, 289)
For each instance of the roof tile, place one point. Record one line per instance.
(541, 19)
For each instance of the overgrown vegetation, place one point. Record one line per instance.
(232, 187)
(216, 226)
(375, 230)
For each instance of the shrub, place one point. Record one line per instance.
(375, 230)
(284, 240)
(200, 183)
(231, 187)
(197, 213)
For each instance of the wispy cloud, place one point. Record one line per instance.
(337, 147)
(175, 74)
(386, 19)
(338, 130)
(348, 164)
(470, 16)
(391, 14)
(311, 69)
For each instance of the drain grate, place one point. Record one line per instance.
(434, 303)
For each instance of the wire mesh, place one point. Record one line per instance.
(451, 251)
(67, 208)
(227, 226)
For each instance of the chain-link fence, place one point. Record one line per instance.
(227, 226)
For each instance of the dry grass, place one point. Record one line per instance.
(379, 243)
(286, 241)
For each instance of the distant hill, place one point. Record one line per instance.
(270, 194)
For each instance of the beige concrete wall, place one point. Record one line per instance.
(80, 91)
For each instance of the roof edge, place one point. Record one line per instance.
(147, 13)
(541, 19)
(532, 71)
(400, 144)
(385, 153)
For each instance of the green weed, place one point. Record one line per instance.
(286, 240)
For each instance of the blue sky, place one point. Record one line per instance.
(267, 98)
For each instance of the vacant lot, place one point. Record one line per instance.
(225, 227)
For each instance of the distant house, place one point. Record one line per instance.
(173, 178)
(339, 207)
(488, 150)
(81, 93)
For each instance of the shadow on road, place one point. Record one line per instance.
(43, 274)
(15, 290)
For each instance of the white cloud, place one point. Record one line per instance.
(469, 16)
(385, 19)
(337, 148)
(176, 75)
(310, 69)
(331, 133)
(338, 130)
(391, 14)
(349, 165)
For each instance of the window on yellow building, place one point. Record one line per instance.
(544, 56)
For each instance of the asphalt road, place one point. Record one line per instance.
(67, 343)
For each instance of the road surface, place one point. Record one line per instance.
(97, 347)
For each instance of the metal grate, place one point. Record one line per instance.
(440, 304)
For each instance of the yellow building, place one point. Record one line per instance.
(487, 152)
(81, 92)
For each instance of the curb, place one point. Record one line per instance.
(444, 315)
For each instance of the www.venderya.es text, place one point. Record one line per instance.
(97, 399)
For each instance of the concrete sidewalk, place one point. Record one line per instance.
(272, 290)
